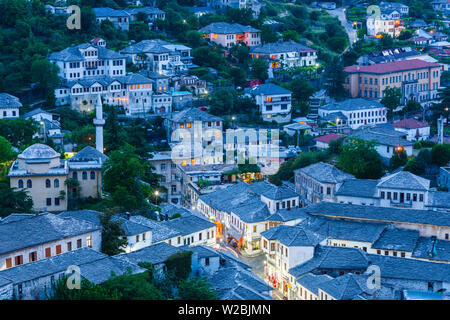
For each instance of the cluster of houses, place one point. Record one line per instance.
(38, 249)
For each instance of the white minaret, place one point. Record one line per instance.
(440, 133)
(99, 123)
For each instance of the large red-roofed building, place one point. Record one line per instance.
(415, 129)
(417, 79)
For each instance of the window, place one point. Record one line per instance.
(84, 175)
(421, 197)
(56, 201)
(137, 238)
(386, 253)
(402, 254)
(48, 252)
(254, 228)
(92, 175)
(56, 183)
(395, 195)
(18, 260)
(206, 261)
(20, 183)
(382, 194)
(79, 243)
(47, 183)
(89, 241)
(33, 256)
(29, 184)
(58, 249)
(378, 251)
(143, 237)
(328, 190)
(414, 196)
(389, 195)
(69, 246)
(8, 263)
(49, 201)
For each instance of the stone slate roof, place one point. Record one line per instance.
(16, 217)
(336, 258)
(188, 224)
(285, 215)
(193, 114)
(171, 209)
(131, 228)
(5, 282)
(386, 139)
(52, 265)
(352, 105)
(404, 180)
(353, 230)
(312, 282)
(108, 12)
(432, 249)
(252, 211)
(40, 229)
(346, 287)
(235, 283)
(397, 239)
(155, 46)
(267, 89)
(280, 47)
(227, 28)
(34, 112)
(358, 188)
(439, 199)
(272, 191)
(101, 270)
(326, 173)
(155, 254)
(38, 151)
(74, 53)
(291, 236)
(146, 10)
(379, 214)
(9, 101)
(410, 269)
(88, 154)
(160, 232)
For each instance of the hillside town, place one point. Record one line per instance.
(224, 150)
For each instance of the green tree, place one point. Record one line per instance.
(440, 154)
(391, 99)
(301, 90)
(87, 291)
(400, 158)
(6, 152)
(133, 287)
(13, 201)
(84, 136)
(113, 235)
(121, 174)
(239, 76)
(359, 157)
(259, 69)
(196, 289)
(179, 264)
(19, 132)
(335, 77)
(222, 101)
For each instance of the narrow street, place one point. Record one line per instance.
(340, 14)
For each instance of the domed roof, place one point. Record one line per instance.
(38, 151)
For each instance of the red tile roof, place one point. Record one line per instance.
(389, 67)
(410, 124)
(328, 137)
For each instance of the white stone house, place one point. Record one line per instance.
(35, 237)
(9, 106)
(274, 102)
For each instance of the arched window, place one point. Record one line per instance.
(92, 175)
(75, 175)
(20, 183)
(47, 183)
(29, 184)
(56, 183)
(84, 175)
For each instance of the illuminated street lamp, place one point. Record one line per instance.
(156, 193)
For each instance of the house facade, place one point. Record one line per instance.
(228, 34)
(9, 106)
(418, 80)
